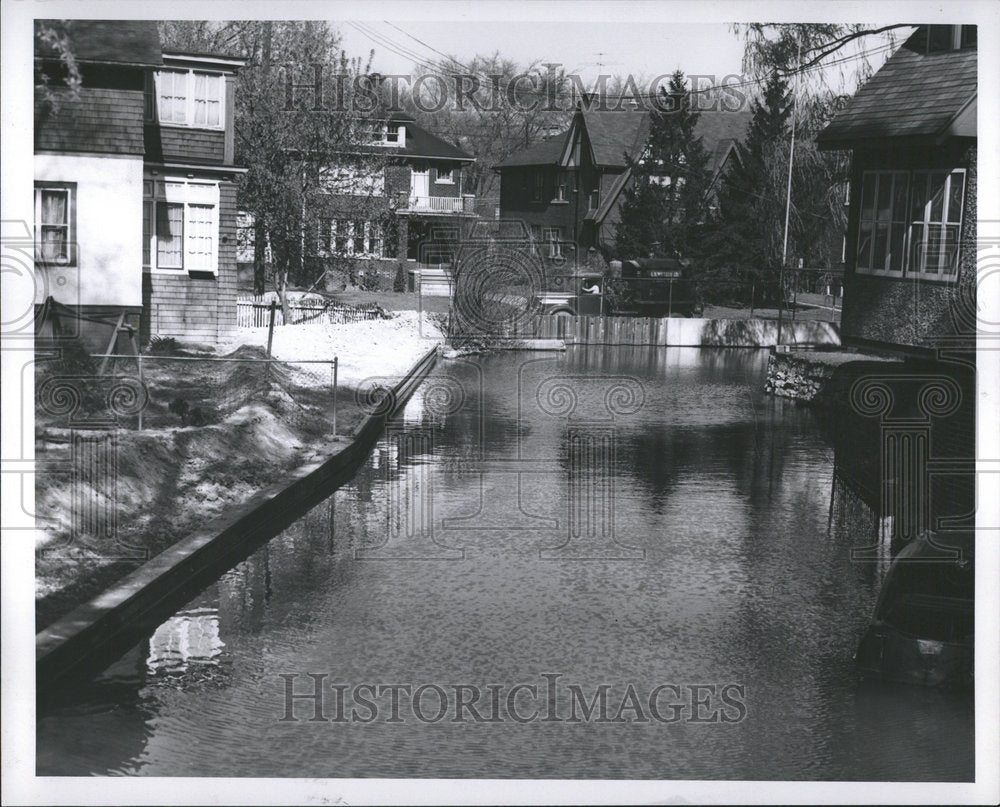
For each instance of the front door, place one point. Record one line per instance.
(420, 186)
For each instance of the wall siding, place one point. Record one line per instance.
(99, 120)
(179, 144)
(197, 307)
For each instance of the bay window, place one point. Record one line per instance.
(909, 223)
(180, 222)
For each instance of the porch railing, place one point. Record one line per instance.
(442, 204)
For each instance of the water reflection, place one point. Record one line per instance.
(682, 538)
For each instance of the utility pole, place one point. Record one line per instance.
(788, 196)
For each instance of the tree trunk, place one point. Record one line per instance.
(259, 256)
(282, 285)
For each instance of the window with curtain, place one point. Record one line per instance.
(188, 98)
(53, 224)
(180, 222)
(171, 96)
(207, 99)
(169, 235)
(199, 242)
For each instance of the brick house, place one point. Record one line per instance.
(910, 257)
(567, 189)
(405, 205)
(135, 186)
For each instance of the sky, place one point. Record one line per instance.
(642, 49)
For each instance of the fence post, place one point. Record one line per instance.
(270, 327)
(334, 396)
(139, 360)
(270, 338)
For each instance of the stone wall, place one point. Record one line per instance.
(794, 376)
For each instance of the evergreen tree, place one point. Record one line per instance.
(744, 239)
(663, 205)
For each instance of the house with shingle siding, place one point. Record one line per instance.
(568, 188)
(910, 260)
(135, 186)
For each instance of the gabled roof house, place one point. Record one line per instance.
(568, 188)
(910, 261)
(135, 188)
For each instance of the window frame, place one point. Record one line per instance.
(154, 193)
(552, 237)
(907, 270)
(450, 175)
(372, 238)
(190, 73)
(562, 188)
(70, 189)
(538, 188)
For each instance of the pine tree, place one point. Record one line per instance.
(745, 237)
(664, 203)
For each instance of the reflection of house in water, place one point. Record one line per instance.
(189, 637)
(905, 432)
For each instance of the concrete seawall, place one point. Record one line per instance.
(78, 643)
(679, 331)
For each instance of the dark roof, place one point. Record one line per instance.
(133, 42)
(421, 143)
(914, 94)
(547, 152)
(613, 133)
(719, 132)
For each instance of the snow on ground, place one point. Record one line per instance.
(378, 347)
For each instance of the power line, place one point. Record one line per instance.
(437, 69)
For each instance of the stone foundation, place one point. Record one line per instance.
(792, 376)
(805, 375)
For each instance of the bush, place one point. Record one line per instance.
(399, 281)
(371, 281)
(163, 346)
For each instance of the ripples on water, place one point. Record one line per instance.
(720, 570)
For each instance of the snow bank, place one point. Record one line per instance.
(378, 347)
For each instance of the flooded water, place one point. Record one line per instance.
(634, 519)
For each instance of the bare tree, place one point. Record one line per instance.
(490, 107)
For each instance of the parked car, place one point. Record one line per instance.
(575, 294)
(922, 631)
(645, 287)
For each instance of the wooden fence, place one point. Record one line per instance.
(256, 313)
